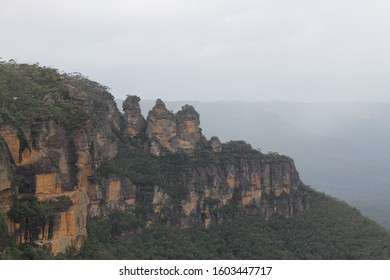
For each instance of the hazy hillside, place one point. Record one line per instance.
(340, 148)
(364, 124)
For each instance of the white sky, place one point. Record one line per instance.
(298, 50)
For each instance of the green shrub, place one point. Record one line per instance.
(3, 232)
(34, 216)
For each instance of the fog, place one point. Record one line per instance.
(210, 50)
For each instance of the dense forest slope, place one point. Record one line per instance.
(81, 180)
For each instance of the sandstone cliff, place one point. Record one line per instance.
(48, 158)
(171, 133)
(135, 122)
(84, 159)
(217, 186)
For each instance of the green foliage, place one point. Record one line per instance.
(61, 203)
(133, 163)
(98, 95)
(31, 94)
(232, 210)
(113, 226)
(33, 215)
(101, 93)
(174, 167)
(25, 251)
(4, 156)
(3, 145)
(333, 230)
(71, 116)
(141, 168)
(204, 157)
(107, 237)
(3, 232)
(23, 89)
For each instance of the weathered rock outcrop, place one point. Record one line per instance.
(47, 160)
(75, 160)
(237, 181)
(111, 194)
(161, 130)
(215, 144)
(188, 130)
(135, 122)
(171, 133)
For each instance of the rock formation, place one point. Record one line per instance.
(171, 133)
(246, 185)
(201, 182)
(161, 130)
(49, 161)
(188, 130)
(135, 122)
(215, 144)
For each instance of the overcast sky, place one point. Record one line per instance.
(298, 50)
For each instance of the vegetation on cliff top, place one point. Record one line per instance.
(32, 94)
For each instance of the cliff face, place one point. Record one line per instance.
(5, 178)
(68, 168)
(229, 184)
(49, 160)
(207, 182)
